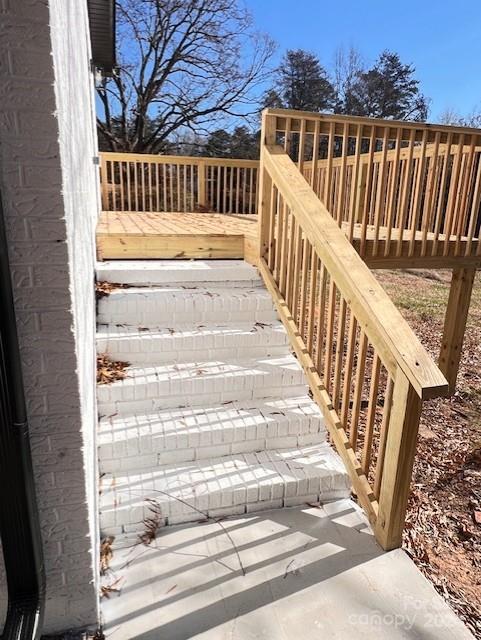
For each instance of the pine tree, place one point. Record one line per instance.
(302, 83)
(389, 90)
(241, 143)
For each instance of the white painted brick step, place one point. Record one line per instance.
(155, 272)
(192, 343)
(148, 389)
(194, 433)
(170, 306)
(221, 486)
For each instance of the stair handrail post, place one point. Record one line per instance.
(399, 453)
(268, 137)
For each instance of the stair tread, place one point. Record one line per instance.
(186, 329)
(188, 290)
(224, 482)
(122, 271)
(268, 365)
(200, 268)
(281, 408)
(149, 388)
(181, 421)
(175, 305)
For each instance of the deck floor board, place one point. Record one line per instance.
(137, 235)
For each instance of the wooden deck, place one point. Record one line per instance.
(147, 235)
(425, 251)
(140, 235)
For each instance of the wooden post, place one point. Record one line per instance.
(360, 200)
(201, 199)
(455, 323)
(103, 183)
(268, 137)
(399, 454)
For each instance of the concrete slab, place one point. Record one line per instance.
(301, 573)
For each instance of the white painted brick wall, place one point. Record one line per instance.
(49, 187)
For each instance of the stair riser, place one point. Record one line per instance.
(162, 310)
(250, 481)
(214, 504)
(155, 402)
(113, 459)
(170, 318)
(151, 350)
(149, 460)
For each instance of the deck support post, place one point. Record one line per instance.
(400, 449)
(455, 323)
(268, 137)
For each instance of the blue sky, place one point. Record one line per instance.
(441, 38)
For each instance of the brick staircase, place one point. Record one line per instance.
(214, 416)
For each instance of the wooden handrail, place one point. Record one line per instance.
(367, 370)
(373, 308)
(354, 121)
(165, 159)
(390, 156)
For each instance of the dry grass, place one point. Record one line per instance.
(443, 532)
(152, 522)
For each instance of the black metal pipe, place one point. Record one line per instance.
(19, 521)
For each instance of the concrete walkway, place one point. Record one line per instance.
(310, 574)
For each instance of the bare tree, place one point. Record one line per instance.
(451, 116)
(184, 65)
(348, 66)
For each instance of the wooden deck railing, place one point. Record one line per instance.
(396, 188)
(366, 368)
(142, 182)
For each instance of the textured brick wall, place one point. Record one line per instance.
(48, 182)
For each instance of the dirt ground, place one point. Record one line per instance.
(443, 532)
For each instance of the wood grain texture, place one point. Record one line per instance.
(375, 312)
(455, 323)
(176, 235)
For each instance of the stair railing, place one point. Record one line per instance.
(367, 370)
(395, 188)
